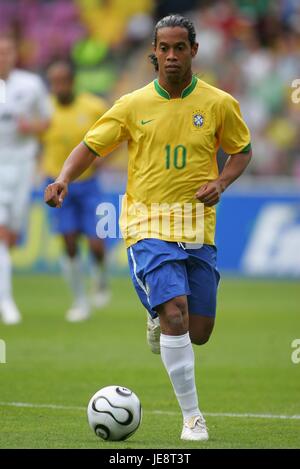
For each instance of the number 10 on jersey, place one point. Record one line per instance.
(175, 157)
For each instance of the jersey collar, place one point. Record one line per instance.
(188, 90)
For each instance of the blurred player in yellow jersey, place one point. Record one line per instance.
(174, 127)
(72, 117)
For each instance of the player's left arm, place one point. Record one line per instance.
(209, 194)
(234, 138)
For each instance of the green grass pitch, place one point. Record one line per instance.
(245, 368)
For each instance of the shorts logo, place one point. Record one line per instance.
(198, 119)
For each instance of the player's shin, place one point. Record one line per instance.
(100, 290)
(73, 272)
(8, 309)
(99, 274)
(178, 358)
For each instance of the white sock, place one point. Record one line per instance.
(178, 357)
(5, 272)
(73, 272)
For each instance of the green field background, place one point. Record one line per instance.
(246, 368)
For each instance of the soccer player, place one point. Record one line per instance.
(173, 126)
(24, 115)
(73, 115)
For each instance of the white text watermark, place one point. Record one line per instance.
(296, 93)
(295, 357)
(173, 221)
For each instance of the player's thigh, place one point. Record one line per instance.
(203, 281)
(138, 283)
(156, 285)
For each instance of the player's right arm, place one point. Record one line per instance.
(102, 138)
(76, 163)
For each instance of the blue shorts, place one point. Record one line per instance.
(161, 270)
(78, 211)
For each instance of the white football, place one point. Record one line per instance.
(114, 413)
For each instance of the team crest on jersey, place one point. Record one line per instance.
(198, 119)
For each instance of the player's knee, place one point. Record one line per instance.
(98, 254)
(174, 318)
(179, 303)
(171, 319)
(97, 249)
(71, 251)
(177, 310)
(71, 248)
(71, 244)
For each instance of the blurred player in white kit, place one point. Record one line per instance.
(24, 114)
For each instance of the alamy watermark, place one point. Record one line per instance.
(2, 351)
(296, 93)
(2, 91)
(172, 221)
(295, 357)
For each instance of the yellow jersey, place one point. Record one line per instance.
(172, 147)
(68, 126)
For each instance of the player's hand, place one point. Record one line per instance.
(209, 194)
(55, 193)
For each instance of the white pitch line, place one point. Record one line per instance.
(40, 406)
(254, 416)
(234, 415)
(157, 412)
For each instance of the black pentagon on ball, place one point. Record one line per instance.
(123, 391)
(102, 431)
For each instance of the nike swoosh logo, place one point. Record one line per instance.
(146, 122)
